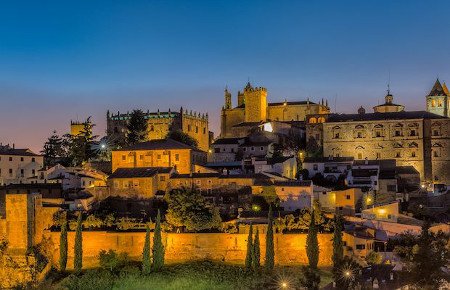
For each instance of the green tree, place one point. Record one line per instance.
(429, 257)
(310, 278)
(338, 246)
(112, 261)
(158, 247)
(78, 248)
(53, 150)
(63, 247)
(270, 249)
(249, 256)
(374, 258)
(137, 128)
(81, 146)
(269, 194)
(189, 209)
(312, 244)
(256, 252)
(182, 137)
(313, 149)
(146, 259)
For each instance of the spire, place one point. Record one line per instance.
(437, 89)
(444, 87)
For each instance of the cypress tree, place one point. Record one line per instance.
(312, 244)
(63, 247)
(78, 248)
(256, 252)
(146, 260)
(338, 247)
(248, 258)
(158, 247)
(270, 250)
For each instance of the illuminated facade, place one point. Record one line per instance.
(161, 123)
(253, 109)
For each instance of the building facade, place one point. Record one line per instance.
(161, 123)
(413, 138)
(18, 165)
(438, 100)
(253, 109)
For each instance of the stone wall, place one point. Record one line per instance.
(229, 248)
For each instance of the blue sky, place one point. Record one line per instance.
(62, 60)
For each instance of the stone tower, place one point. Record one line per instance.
(438, 100)
(227, 96)
(255, 103)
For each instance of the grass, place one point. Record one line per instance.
(197, 276)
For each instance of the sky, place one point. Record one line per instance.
(67, 60)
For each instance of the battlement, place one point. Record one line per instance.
(158, 115)
(256, 89)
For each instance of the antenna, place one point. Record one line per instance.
(389, 82)
(335, 101)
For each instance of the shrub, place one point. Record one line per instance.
(110, 260)
(92, 222)
(78, 248)
(158, 247)
(374, 258)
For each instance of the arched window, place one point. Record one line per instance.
(312, 120)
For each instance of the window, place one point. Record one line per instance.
(392, 188)
(216, 150)
(398, 133)
(196, 129)
(359, 135)
(21, 159)
(124, 157)
(282, 189)
(33, 159)
(141, 157)
(261, 148)
(435, 133)
(10, 172)
(398, 155)
(347, 196)
(412, 133)
(189, 128)
(413, 154)
(204, 130)
(378, 155)
(10, 158)
(253, 148)
(162, 178)
(336, 135)
(433, 103)
(33, 172)
(377, 133)
(22, 172)
(435, 153)
(158, 157)
(152, 128)
(315, 167)
(232, 150)
(177, 157)
(360, 156)
(245, 149)
(360, 247)
(224, 149)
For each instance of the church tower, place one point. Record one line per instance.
(255, 103)
(438, 100)
(227, 96)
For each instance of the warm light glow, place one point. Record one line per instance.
(347, 273)
(209, 151)
(381, 211)
(256, 207)
(369, 199)
(103, 146)
(268, 127)
(423, 186)
(284, 285)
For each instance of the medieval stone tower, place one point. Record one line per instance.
(255, 103)
(438, 100)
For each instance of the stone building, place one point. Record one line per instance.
(438, 100)
(253, 109)
(158, 153)
(413, 138)
(161, 123)
(18, 165)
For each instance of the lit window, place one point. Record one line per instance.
(177, 157)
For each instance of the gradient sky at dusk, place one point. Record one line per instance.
(62, 60)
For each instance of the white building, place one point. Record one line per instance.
(18, 165)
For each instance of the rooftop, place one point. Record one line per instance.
(226, 141)
(18, 152)
(161, 144)
(404, 115)
(327, 159)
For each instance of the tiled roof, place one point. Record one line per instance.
(18, 152)
(404, 115)
(195, 175)
(364, 172)
(162, 144)
(437, 89)
(291, 103)
(327, 159)
(226, 141)
(406, 170)
(137, 172)
(248, 124)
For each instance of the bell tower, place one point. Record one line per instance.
(255, 103)
(438, 100)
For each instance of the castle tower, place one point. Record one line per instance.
(227, 96)
(255, 104)
(241, 99)
(438, 100)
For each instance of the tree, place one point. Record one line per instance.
(311, 278)
(158, 247)
(189, 209)
(269, 194)
(374, 258)
(112, 261)
(429, 257)
(270, 249)
(313, 148)
(63, 247)
(146, 259)
(256, 252)
(338, 246)
(182, 137)
(80, 146)
(78, 248)
(53, 149)
(137, 128)
(312, 244)
(249, 256)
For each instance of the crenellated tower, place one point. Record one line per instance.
(255, 103)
